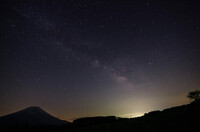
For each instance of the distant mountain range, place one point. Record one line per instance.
(31, 116)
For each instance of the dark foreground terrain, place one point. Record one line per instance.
(184, 118)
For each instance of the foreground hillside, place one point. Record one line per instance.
(182, 118)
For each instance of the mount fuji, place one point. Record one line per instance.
(31, 116)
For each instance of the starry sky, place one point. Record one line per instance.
(77, 58)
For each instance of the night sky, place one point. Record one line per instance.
(77, 58)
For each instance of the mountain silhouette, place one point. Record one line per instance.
(31, 116)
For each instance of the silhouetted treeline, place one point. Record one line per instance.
(88, 121)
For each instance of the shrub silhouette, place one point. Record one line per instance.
(194, 95)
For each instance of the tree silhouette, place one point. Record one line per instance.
(194, 95)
